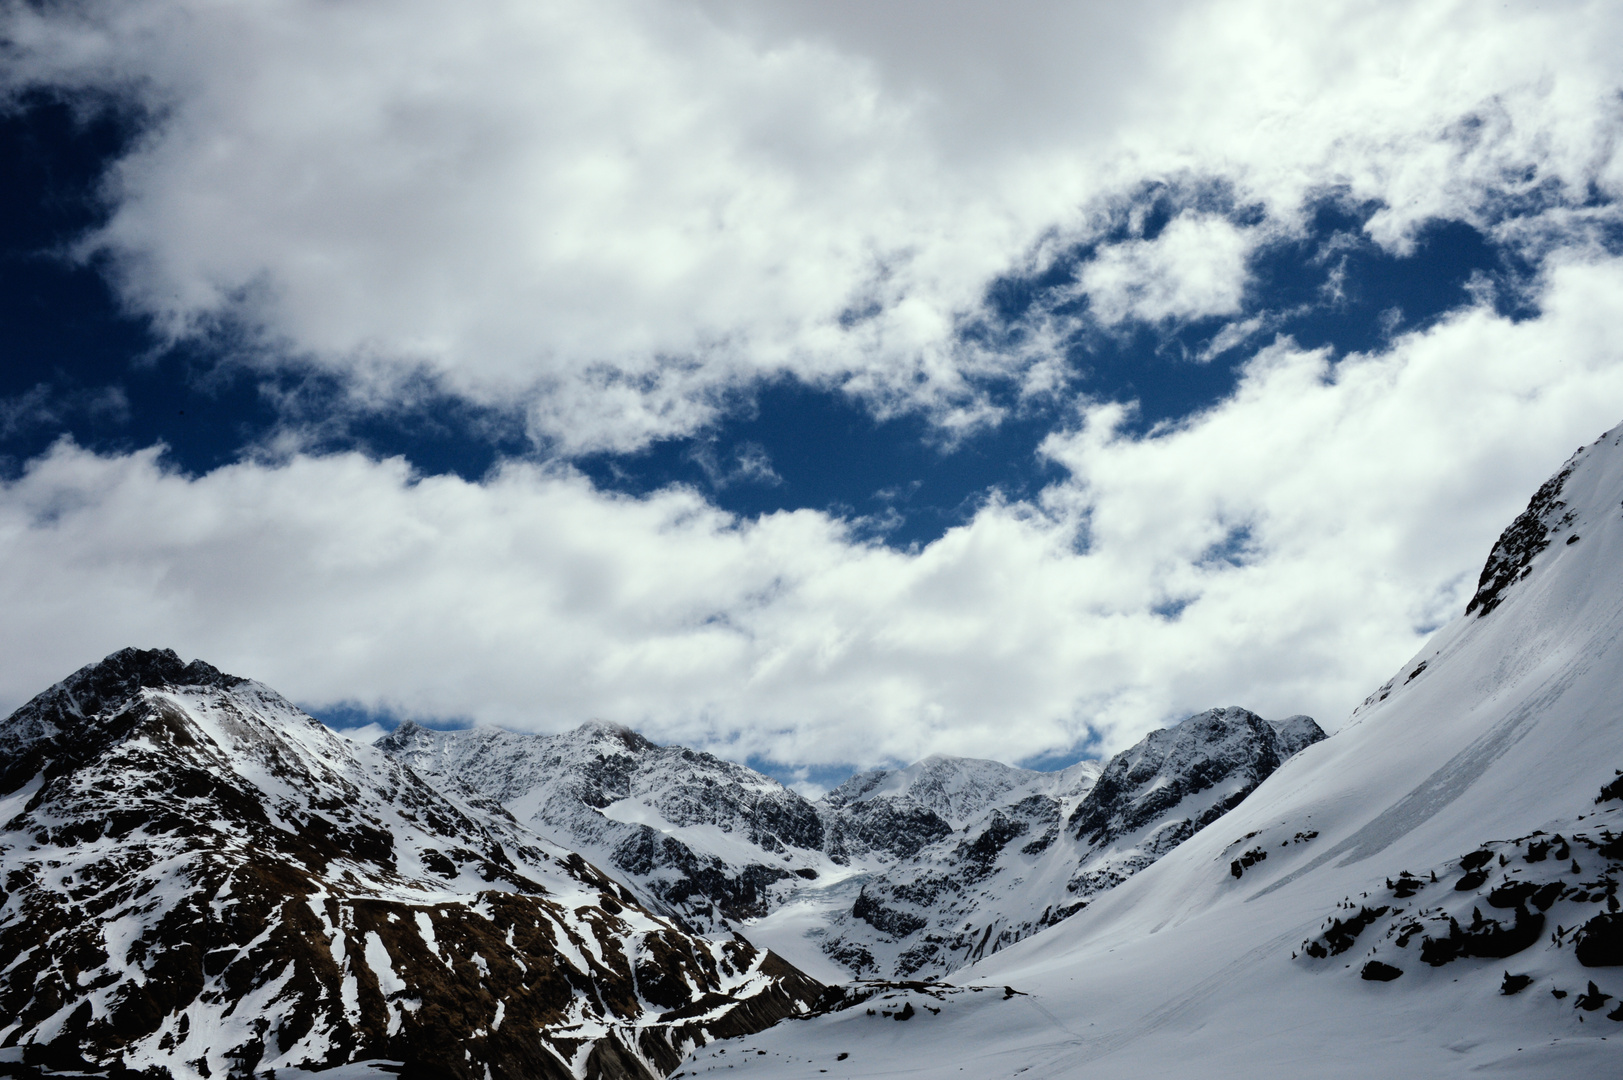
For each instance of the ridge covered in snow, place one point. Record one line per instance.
(702, 839)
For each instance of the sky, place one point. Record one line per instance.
(821, 383)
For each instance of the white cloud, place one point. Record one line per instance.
(1369, 491)
(1194, 268)
(617, 211)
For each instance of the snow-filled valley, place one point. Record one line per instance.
(198, 878)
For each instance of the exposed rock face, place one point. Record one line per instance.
(201, 879)
(1224, 751)
(1512, 555)
(883, 827)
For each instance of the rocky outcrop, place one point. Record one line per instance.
(1557, 891)
(1227, 752)
(1512, 556)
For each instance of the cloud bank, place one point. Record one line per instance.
(1285, 550)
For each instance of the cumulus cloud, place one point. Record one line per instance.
(620, 211)
(1285, 550)
(1194, 268)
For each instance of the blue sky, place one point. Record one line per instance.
(815, 384)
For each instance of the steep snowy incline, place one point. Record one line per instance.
(1432, 891)
(200, 878)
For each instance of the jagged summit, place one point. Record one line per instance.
(115, 679)
(68, 719)
(1227, 751)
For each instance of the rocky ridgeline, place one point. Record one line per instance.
(701, 839)
(199, 879)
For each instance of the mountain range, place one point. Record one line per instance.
(1430, 891)
(895, 873)
(196, 877)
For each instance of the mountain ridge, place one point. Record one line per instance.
(682, 828)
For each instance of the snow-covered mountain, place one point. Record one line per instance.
(896, 872)
(1432, 891)
(200, 879)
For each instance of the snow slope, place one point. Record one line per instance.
(1457, 830)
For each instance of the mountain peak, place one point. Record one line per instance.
(132, 669)
(1297, 732)
(98, 689)
(607, 729)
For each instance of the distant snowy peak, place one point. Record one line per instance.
(602, 765)
(701, 839)
(1296, 733)
(956, 789)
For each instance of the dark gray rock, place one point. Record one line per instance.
(1147, 782)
